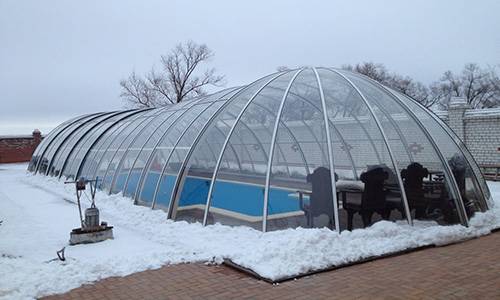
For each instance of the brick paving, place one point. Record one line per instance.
(469, 270)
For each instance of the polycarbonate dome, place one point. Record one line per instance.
(310, 147)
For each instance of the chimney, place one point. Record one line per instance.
(37, 136)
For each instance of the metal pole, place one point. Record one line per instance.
(458, 143)
(147, 120)
(97, 138)
(386, 142)
(83, 139)
(157, 187)
(69, 136)
(449, 174)
(47, 141)
(226, 141)
(330, 153)
(271, 151)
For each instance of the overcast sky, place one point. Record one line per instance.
(59, 59)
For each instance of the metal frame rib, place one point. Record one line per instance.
(226, 141)
(386, 142)
(271, 150)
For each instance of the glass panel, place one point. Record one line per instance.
(300, 184)
(123, 161)
(242, 177)
(61, 156)
(92, 158)
(149, 183)
(110, 140)
(366, 184)
(160, 154)
(426, 184)
(198, 173)
(110, 158)
(47, 140)
(83, 146)
(462, 168)
(170, 172)
(61, 138)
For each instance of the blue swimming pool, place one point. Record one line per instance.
(235, 197)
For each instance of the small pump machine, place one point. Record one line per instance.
(91, 231)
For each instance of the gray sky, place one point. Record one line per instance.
(59, 59)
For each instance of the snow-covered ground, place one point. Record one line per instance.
(38, 213)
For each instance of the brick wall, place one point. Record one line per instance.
(18, 148)
(478, 128)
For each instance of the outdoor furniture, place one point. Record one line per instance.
(373, 198)
(320, 198)
(413, 177)
(491, 171)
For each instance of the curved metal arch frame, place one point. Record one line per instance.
(118, 168)
(113, 134)
(260, 144)
(70, 134)
(460, 146)
(342, 140)
(213, 153)
(398, 131)
(449, 174)
(364, 130)
(96, 153)
(61, 155)
(330, 154)
(258, 140)
(232, 147)
(271, 150)
(187, 107)
(174, 146)
(293, 136)
(142, 178)
(126, 127)
(45, 141)
(307, 128)
(174, 197)
(88, 135)
(69, 161)
(55, 137)
(396, 127)
(221, 154)
(81, 138)
(330, 122)
(98, 138)
(386, 142)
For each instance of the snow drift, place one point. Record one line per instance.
(38, 213)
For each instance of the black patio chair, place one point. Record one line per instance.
(373, 199)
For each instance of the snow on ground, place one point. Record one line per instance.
(38, 213)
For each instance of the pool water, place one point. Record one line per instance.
(247, 199)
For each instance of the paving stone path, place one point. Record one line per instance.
(469, 270)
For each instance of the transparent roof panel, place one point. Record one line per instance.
(311, 147)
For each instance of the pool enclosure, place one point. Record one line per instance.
(312, 147)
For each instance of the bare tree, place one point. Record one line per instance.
(282, 69)
(178, 79)
(402, 84)
(137, 92)
(480, 87)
